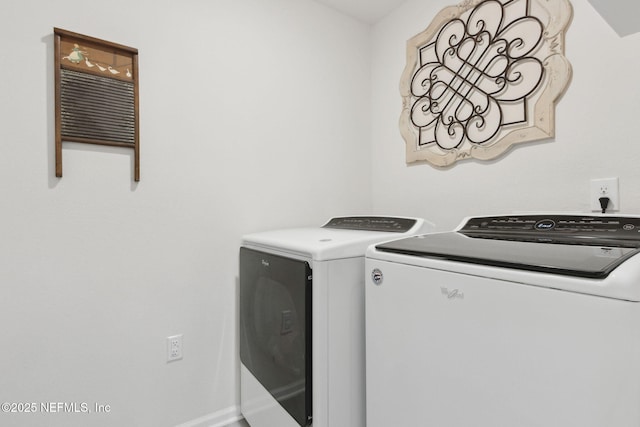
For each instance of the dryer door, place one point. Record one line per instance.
(275, 327)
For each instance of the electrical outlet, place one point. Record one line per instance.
(174, 348)
(606, 187)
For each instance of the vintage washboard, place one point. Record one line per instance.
(96, 94)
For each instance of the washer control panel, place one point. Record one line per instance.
(609, 227)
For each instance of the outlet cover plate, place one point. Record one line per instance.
(174, 348)
(605, 187)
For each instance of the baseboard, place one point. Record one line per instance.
(221, 418)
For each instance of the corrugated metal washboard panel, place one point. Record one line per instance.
(97, 108)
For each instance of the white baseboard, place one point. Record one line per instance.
(221, 418)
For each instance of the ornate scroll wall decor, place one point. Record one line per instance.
(96, 94)
(484, 75)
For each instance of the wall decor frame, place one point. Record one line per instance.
(96, 94)
(483, 76)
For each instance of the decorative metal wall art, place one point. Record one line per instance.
(484, 75)
(96, 84)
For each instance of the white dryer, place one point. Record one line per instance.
(302, 321)
(509, 321)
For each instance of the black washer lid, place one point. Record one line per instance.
(590, 247)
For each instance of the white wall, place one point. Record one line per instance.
(252, 118)
(596, 131)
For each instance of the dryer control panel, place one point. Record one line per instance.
(372, 223)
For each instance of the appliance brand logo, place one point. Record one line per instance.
(545, 224)
(453, 293)
(376, 276)
(265, 263)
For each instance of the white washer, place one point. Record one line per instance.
(302, 321)
(509, 321)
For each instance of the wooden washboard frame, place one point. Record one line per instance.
(96, 94)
